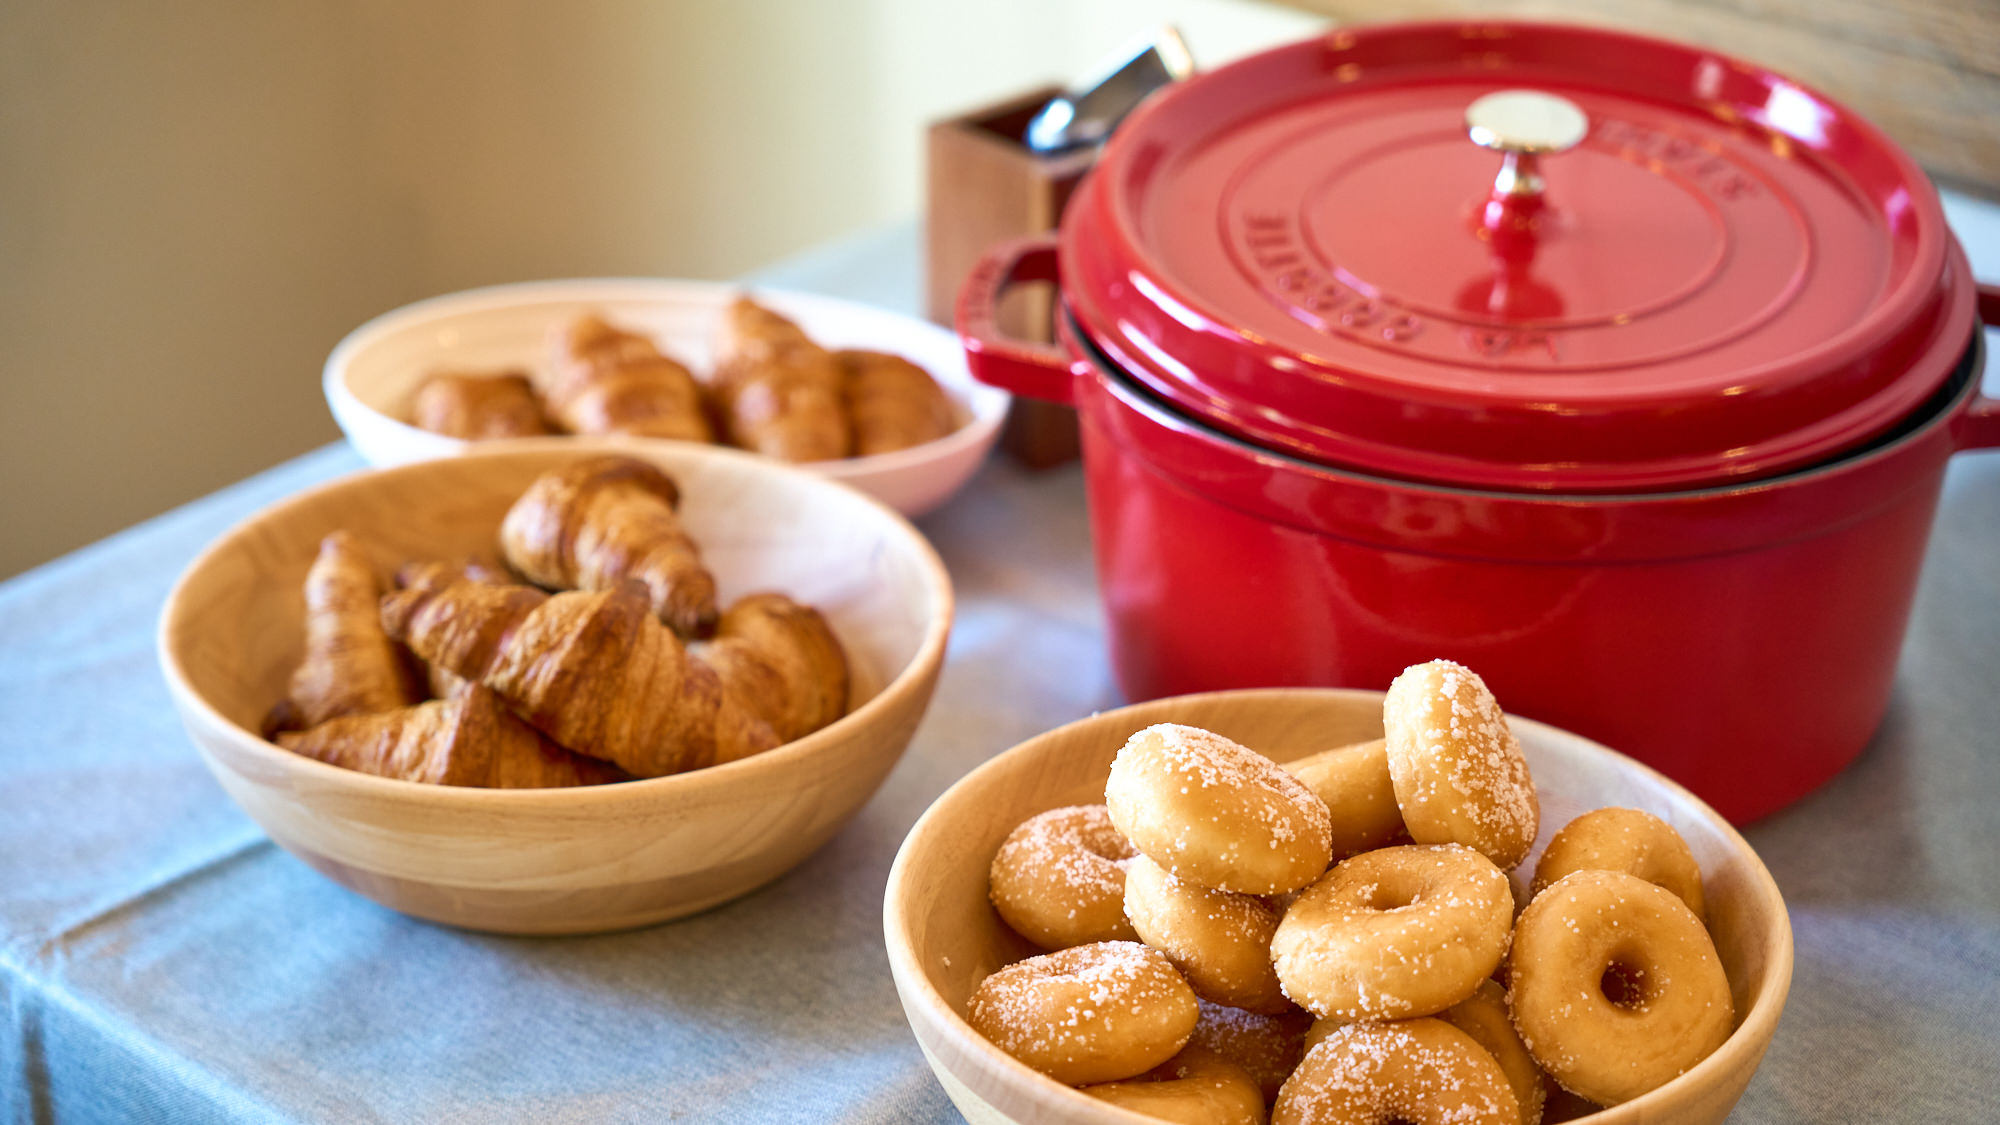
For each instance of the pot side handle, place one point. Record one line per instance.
(1979, 426)
(1025, 367)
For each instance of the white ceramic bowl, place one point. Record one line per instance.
(944, 936)
(372, 375)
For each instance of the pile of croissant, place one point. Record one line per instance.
(774, 391)
(614, 664)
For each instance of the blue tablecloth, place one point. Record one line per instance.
(161, 960)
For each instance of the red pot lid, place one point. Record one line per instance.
(1727, 276)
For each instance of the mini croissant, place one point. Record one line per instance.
(779, 660)
(474, 406)
(350, 667)
(593, 670)
(469, 739)
(443, 682)
(605, 380)
(779, 391)
(600, 521)
(891, 403)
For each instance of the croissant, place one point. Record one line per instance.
(891, 403)
(350, 667)
(779, 391)
(603, 520)
(472, 406)
(443, 682)
(593, 670)
(469, 739)
(604, 380)
(779, 660)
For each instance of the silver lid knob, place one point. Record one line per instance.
(1524, 125)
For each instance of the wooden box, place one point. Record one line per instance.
(984, 187)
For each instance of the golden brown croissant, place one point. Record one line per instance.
(779, 660)
(350, 667)
(469, 739)
(603, 520)
(474, 407)
(593, 670)
(891, 403)
(604, 380)
(443, 682)
(779, 391)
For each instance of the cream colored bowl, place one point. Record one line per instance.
(944, 937)
(373, 374)
(562, 860)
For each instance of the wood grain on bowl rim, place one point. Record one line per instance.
(559, 860)
(943, 937)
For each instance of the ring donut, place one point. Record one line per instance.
(1269, 1047)
(1483, 1015)
(1615, 986)
(1059, 878)
(1217, 813)
(1196, 1087)
(1628, 840)
(1457, 767)
(1421, 1071)
(1354, 783)
(1091, 1013)
(1220, 941)
(1395, 933)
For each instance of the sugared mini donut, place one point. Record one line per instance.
(1059, 879)
(1628, 840)
(1354, 782)
(1196, 1087)
(1457, 767)
(1269, 1047)
(1219, 940)
(1483, 1015)
(1615, 986)
(1217, 813)
(1091, 1013)
(1395, 933)
(1421, 1071)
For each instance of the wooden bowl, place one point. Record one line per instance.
(944, 937)
(372, 374)
(562, 860)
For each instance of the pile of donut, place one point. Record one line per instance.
(1330, 940)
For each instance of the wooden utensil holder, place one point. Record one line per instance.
(986, 186)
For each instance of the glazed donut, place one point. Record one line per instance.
(1421, 1071)
(1196, 1087)
(1059, 878)
(1354, 782)
(1269, 1047)
(1220, 941)
(1395, 933)
(1217, 813)
(1090, 1013)
(1628, 840)
(1483, 1015)
(1615, 986)
(1457, 767)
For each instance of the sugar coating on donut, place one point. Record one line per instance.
(1059, 878)
(1219, 940)
(1615, 986)
(1629, 840)
(1394, 933)
(1268, 1046)
(1422, 1071)
(1483, 1015)
(1091, 1013)
(1458, 770)
(1217, 813)
(1197, 1085)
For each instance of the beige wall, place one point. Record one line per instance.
(197, 199)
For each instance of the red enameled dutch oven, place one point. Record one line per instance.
(1621, 371)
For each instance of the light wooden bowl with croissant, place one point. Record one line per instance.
(573, 860)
